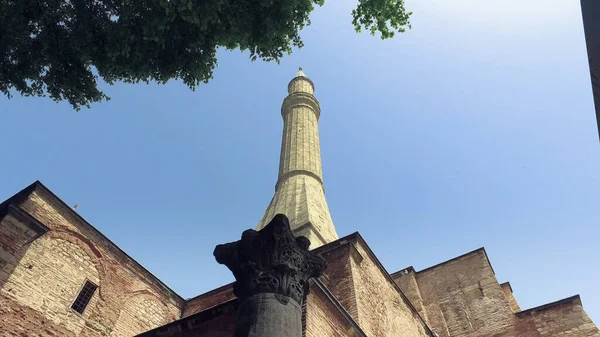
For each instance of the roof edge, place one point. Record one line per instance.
(210, 292)
(201, 316)
(478, 250)
(509, 286)
(550, 305)
(24, 193)
(357, 237)
(16, 210)
(319, 250)
(409, 269)
(338, 306)
(20, 196)
(390, 279)
(591, 30)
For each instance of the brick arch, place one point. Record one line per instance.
(49, 276)
(90, 249)
(129, 320)
(78, 239)
(147, 295)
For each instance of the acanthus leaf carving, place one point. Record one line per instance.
(271, 260)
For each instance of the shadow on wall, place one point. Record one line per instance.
(17, 232)
(8, 265)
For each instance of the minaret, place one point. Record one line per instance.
(299, 192)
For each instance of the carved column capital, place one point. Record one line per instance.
(271, 260)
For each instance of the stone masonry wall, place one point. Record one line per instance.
(208, 300)
(37, 292)
(22, 321)
(323, 319)
(131, 319)
(48, 279)
(14, 234)
(462, 298)
(562, 318)
(510, 297)
(408, 284)
(339, 278)
(218, 321)
(381, 309)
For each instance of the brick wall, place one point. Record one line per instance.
(140, 313)
(340, 279)
(382, 309)
(22, 321)
(355, 277)
(40, 279)
(408, 284)
(48, 279)
(508, 293)
(47, 253)
(562, 318)
(462, 298)
(208, 300)
(323, 319)
(16, 230)
(219, 321)
(220, 326)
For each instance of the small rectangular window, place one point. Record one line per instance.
(84, 297)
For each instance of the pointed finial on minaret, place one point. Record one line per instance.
(76, 205)
(301, 83)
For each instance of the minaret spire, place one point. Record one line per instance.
(299, 192)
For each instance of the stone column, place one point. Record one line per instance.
(271, 268)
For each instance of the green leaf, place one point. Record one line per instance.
(60, 50)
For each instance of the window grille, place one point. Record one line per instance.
(84, 297)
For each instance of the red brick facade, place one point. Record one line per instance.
(462, 298)
(48, 252)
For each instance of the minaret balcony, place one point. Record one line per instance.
(300, 99)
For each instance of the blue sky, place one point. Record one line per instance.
(475, 128)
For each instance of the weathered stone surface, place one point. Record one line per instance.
(562, 318)
(365, 289)
(218, 321)
(47, 252)
(269, 315)
(272, 260)
(208, 300)
(462, 298)
(508, 293)
(40, 277)
(322, 318)
(299, 192)
(272, 268)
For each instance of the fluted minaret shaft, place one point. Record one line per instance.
(299, 192)
(300, 149)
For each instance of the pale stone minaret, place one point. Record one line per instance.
(299, 192)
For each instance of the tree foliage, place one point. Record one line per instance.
(59, 48)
